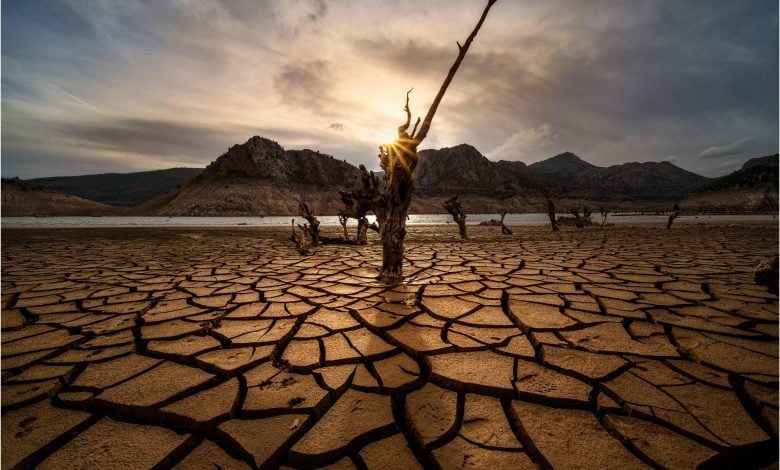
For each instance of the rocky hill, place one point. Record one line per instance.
(649, 179)
(121, 189)
(562, 168)
(569, 174)
(263, 159)
(22, 199)
(260, 177)
(463, 169)
(761, 172)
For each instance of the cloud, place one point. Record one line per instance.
(306, 84)
(292, 16)
(154, 136)
(528, 145)
(733, 148)
(615, 82)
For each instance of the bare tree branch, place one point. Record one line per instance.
(426, 125)
(403, 127)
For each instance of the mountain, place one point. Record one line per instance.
(453, 169)
(649, 179)
(463, 169)
(23, 199)
(121, 189)
(562, 168)
(567, 173)
(760, 172)
(260, 177)
(264, 159)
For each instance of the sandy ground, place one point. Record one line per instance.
(203, 347)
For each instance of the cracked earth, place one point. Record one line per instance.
(222, 348)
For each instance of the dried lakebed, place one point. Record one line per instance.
(625, 348)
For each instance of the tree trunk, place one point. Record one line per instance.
(314, 224)
(362, 228)
(504, 229)
(456, 211)
(672, 216)
(398, 160)
(300, 241)
(551, 214)
(343, 221)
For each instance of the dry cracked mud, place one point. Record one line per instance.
(194, 348)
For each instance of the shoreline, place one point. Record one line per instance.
(275, 222)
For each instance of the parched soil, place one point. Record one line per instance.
(626, 347)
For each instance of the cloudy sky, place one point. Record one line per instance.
(98, 86)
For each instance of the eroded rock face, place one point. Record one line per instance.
(570, 349)
(265, 159)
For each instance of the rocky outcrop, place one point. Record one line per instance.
(265, 159)
(455, 168)
(463, 169)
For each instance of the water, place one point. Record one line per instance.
(279, 221)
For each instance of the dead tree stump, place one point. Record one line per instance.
(672, 216)
(343, 221)
(299, 237)
(452, 205)
(361, 200)
(551, 213)
(314, 225)
(581, 220)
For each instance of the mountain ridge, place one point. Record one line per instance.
(260, 177)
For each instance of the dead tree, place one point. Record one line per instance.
(362, 228)
(504, 229)
(604, 212)
(361, 200)
(672, 216)
(551, 213)
(456, 211)
(314, 225)
(343, 221)
(398, 160)
(581, 220)
(299, 237)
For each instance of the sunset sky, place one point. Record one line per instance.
(100, 86)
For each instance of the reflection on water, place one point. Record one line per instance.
(278, 221)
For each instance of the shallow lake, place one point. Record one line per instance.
(278, 221)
